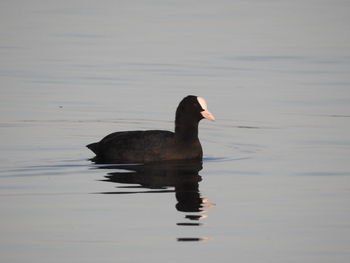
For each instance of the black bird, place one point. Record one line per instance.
(157, 145)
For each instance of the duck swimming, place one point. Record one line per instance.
(157, 145)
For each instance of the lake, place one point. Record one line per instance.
(274, 184)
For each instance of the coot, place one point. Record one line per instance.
(157, 145)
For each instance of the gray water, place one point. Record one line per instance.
(275, 182)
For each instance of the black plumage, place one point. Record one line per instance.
(157, 145)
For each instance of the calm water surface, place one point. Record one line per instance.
(274, 185)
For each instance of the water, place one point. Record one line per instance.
(274, 185)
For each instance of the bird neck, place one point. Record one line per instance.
(186, 130)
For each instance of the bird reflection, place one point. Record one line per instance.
(180, 177)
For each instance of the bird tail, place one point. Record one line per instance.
(93, 147)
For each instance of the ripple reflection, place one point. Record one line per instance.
(180, 177)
